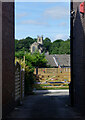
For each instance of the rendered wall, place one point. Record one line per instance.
(78, 59)
(8, 73)
(0, 60)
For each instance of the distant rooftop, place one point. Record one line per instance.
(56, 60)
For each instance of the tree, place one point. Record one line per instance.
(19, 44)
(40, 60)
(32, 60)
(57, 47)
(47, 44)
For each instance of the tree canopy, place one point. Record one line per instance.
(32, 60)
(19, 44)
(56, 47)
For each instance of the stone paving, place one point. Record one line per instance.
(52, 104)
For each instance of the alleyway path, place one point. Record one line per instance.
(46, 104)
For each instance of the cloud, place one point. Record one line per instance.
(20, 15)
(34, 22)
(61, 36)
(56, 12)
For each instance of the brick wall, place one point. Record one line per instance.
(78, 59)
(8, 72)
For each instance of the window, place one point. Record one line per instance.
(33, 48)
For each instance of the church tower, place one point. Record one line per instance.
(40, 40)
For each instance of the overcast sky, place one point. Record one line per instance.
(42, 18)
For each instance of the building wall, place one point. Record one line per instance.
(78, 59)
(8, 73)
(0, 60)
(35, 45)
(40, 40)
(38, 45)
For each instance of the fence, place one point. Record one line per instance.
(51, 70)
(19, 82)
(53, 75)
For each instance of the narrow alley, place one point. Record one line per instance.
(46, 104)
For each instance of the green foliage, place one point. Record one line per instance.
(60, 47)
(39, 60)
(19, 54)
(29, 80)
(19, 44)
(36, 59)
(32, 60)
(47, 44)
(57, 47)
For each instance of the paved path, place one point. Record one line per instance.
(46, 104)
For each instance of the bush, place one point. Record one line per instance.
(29, 80)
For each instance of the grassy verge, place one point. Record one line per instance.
(52, 88)
(47, 87)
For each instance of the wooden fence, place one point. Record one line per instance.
(57, 73)
(19, 82)
(51, 70)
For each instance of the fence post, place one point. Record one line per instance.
(45, 70)
(36, 70)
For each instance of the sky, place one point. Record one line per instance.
(50, 19)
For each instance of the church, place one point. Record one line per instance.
(37, 46)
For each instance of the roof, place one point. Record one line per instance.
(50, 60)
(35, 43)
(55, 60)
(63, 60)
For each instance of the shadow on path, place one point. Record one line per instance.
(46, 104)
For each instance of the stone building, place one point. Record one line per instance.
(37, 46)
(78, 56)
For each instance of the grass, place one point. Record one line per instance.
(52, 84)
(52, 88)
(48, 87)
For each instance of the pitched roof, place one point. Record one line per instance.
(50, 60)
(63, 60)
(55, 60)
(35, 43)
